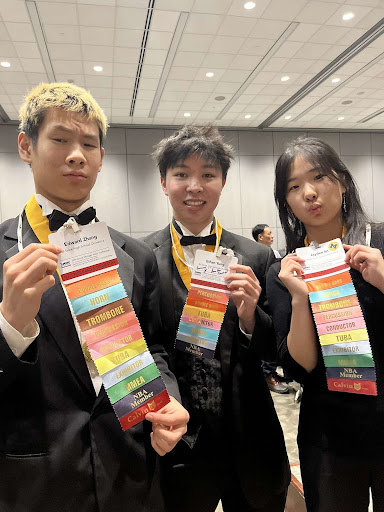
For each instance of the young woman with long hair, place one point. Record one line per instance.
(341, 435)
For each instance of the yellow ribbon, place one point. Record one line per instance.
(38, 222)
(178, 253)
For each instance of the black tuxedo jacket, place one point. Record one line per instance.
(61, 446)
(256, 442)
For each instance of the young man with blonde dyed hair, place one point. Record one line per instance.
(61, 446)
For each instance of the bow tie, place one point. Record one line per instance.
(190, 240)
(58, 218)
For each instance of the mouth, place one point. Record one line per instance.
(75, 176)
(315, 209)
(194, 203)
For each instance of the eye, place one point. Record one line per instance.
(59, 140)
(208, 175)
(293, 187)
(90, 145)
(181, 174)
(319, 176)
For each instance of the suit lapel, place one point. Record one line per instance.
(126, 263)
(164, 259)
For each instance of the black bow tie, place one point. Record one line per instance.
(207, 240)
(58, 218)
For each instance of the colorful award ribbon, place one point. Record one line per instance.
(106, 317)
(206, 304)
(339, 319)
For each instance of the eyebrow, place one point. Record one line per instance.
(62, 128)
(205, 166)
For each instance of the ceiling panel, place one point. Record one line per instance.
(249, 52)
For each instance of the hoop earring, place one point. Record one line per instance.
(344, 204)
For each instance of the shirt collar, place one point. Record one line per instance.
(47, 206)
(205, 232)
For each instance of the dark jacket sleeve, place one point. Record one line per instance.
(10, 365)
(279, 300)
(263, 336)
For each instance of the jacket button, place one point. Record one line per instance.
(204, 393)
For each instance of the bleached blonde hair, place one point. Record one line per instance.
(58, 95)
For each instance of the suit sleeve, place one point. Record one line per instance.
(280, 304)
(10, 365)
(263, 337)
(150, 321)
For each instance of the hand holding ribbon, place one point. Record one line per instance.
(169, 424)
(245, 292)
(27, 275)
(368, 261)
(291, 276)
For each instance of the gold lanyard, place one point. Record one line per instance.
(178, 253)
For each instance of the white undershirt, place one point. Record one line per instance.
(19, 341)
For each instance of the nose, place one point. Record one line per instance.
(309, 192)
(194, 185)
(75, 156)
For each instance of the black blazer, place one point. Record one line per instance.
(256, 439)
(61, 446)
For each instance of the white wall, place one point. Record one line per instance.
(129, 198)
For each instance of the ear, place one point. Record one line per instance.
(224, 182)
(259, 237)
(102, 158)
(163, 185)
(25, 147)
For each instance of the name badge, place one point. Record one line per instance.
(86, 253)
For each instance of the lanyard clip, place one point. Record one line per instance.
(71, 223)
(225, 251)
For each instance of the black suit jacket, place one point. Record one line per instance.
(256, 439)
(61, 447)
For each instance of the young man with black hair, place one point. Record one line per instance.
(234, 448)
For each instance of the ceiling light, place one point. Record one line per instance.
(209, 74)
(220, 98)
(348, 16)
(340, 118)
(287, 117)
(335, 80)
(326, 73)
(249, 5)
(187, 114)
(98, 68)
(6, 64)
(284, 78)
(247, 116)
(346, 102)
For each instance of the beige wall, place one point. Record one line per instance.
(128, 195)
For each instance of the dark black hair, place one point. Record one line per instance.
(320, 154)
(258, 230)
(204, 141)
